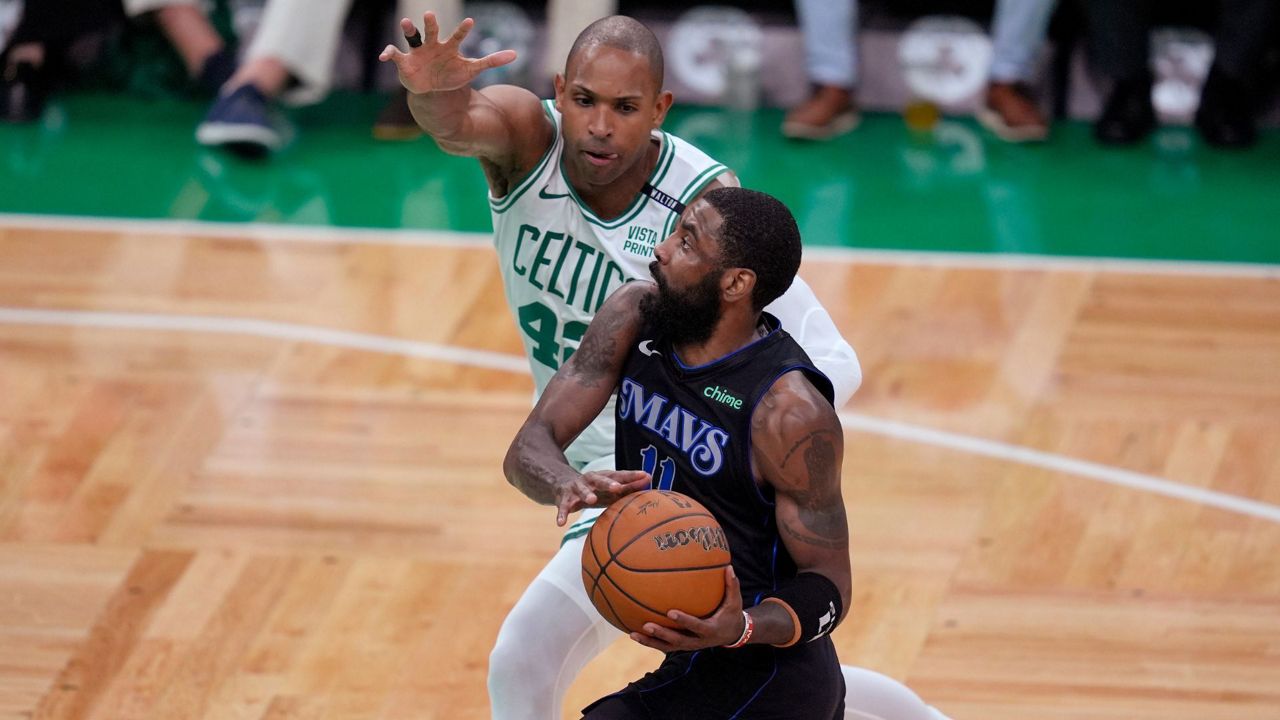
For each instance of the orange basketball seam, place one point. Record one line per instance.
(595, 581)
(675, 569)
(606, 588)
(612, 610)
(639, 604)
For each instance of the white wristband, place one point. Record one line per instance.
(748, 625)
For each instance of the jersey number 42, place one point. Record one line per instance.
(551, 346)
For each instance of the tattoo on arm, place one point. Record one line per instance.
(813, 450)
(532, 475)
(593, 362)
(816, 540)
(819, 510)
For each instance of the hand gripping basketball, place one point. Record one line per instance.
(659, 558)
(432, 65)
(722, 629)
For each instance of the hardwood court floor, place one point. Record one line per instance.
(204, 516)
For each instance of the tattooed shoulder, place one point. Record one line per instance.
(798, 432)
(598, 357)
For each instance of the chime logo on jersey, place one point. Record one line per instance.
(698, 440)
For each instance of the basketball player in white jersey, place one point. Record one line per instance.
(581, 189)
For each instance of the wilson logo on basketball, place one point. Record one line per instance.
(707, 537)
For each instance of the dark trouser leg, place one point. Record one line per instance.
(1227, 101)
(57, 23)
(1119, 32)
(1242, 35)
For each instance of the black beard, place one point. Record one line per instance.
(684, 318)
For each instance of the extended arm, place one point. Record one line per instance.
(503, 125)
(535, 462)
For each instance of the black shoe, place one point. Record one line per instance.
(1225, 116)
(24, 88)
(1128, 116)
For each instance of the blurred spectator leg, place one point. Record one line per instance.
(290, 58)
(1018, 33)
(24, 81)
(1120, 37)
(830, 34)
(208, 60)
(29, 66)
(394, 121)
(1228, 102)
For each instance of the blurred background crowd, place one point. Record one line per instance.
(1016, 65)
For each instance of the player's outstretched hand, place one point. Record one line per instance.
(598, 489)
(432, 65)
(724, 627)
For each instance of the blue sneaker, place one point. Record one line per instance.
(242, 122)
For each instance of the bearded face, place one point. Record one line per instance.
(684, 316)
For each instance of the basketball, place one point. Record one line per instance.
(652, 552)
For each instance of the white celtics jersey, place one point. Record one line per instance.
(559, 261)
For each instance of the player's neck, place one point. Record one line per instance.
(611, 200)
(731, 334)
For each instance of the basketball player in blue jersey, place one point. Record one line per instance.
(762, 453)
(581, 189)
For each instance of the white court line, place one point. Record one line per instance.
(517, 364)
(259, 232)
(1014, 261)
(268, 232)
(266, 329)
(1059, 463)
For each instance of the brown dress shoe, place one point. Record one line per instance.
(395, 122)
(1009, 112)
(829, 112)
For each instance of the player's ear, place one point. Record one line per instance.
(665, 98)
(558, 81)
(738, 284)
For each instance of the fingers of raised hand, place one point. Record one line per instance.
(460, 33)
(411, 34)
(498, 59)
(430, 28)
(390, 53)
